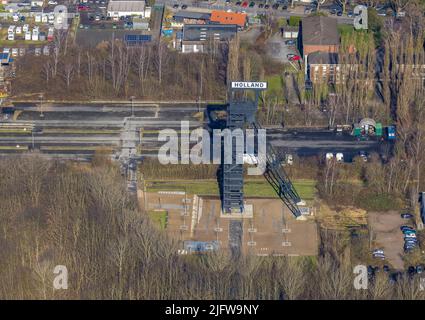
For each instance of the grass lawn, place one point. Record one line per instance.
(252, 188)
(159, 218)
(345, 29)
(72, 148)
(274, 83)
(21, 148)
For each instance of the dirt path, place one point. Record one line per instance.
(387, 235)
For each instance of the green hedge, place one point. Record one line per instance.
(294, 21)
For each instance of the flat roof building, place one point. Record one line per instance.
(120, 8)
(195, 36)
(180, 16)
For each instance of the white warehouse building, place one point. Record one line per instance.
(120, 8)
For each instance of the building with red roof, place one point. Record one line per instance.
(224, 17)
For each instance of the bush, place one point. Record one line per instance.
(294, 21)
(377, 202)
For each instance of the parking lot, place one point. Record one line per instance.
(279, 49)
(386, 234)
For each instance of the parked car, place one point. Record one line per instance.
(290, 42)
(419, 269)
(350, 14)
(411, 270)
(184, 7)
(266, 6)
(410, 235)
(52, 2)
(407, 215)
(378, 251)
(402, 228)
(386, 268)
(411, 242)
(245, 4)
(370, 271)
(339, 13)
(409, 247)
(409, 231)
(238, 3)
(37, 51)
(295, 58)
(175, 6)
(261, 5)
(252, 4)
(379, 256)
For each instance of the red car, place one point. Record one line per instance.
(82, 8)
(294, 57)
(245, 4)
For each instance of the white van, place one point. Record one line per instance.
(18, 30)
(11, 37)
(25, 27)
(28, 35)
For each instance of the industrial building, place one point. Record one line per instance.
(122, 8)
(189, 17)
(196, 37)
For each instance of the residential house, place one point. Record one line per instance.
(415, 71)
(324, 67)
(318, 33)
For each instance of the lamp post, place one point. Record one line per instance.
(41, 106)
(132, 106)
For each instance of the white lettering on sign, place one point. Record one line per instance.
(249, 85)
